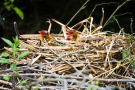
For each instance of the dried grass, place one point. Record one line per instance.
(95, 56)
(93, 60)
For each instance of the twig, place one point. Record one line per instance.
(78, 51)
(81, 22)
(49, 28)
(118, 65)
(75, 81)
(111, 70)
(79, 84)
(97, 29)
(5, 82)
(83, 6)
(100, 5)
(29, 64)
(122, 14)
(16, 30)
(114, 12)
(108, 49)
(4, 88)
(117, 22)
(65, 76)
(131, 26)
(60, 57)
(102, 19)
(91, 24)
(63, 27)
(45, 80)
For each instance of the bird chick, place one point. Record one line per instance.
(69, 38)
(46, 35)
(72, 35)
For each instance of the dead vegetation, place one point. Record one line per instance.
(89, 58)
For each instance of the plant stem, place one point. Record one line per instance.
(114, 13)
(83, 6)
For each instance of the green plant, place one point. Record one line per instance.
(126, 54)
(22, 82)
(95, 86)
(9, 4)
(13, 55)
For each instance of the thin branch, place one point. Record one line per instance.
(83, 6)
(78, 51)
(117, 22)
(50, 25)
(131, 26)
(60, 57)
(102, 19)
(115, 12)
(100, 5)
(16, 30)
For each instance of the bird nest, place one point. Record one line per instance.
(95, 59)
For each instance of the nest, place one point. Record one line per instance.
(95, 60)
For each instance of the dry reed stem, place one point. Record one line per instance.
(50, 25)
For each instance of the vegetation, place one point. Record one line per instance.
(83, 56)
(13, 54)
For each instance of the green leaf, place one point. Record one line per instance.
(96, 83)
(13, 67)
(133, 63)
(125, 53)
(7, 6)
(11, 1)
(91, 88)
(3, 60)
(6, 77)
(16, 41)
(130, 59)
(118, 62)
(22, 82)
(8, 42)
(5, 54)
(23, 54)
(15, 49)
(19, 12)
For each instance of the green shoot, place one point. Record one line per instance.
(22, 82)
(15, 55)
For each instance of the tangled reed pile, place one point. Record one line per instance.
(91, 60)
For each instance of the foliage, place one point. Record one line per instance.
(95, 86)
(10, 5)
(125, 53)
(133, 64)
(13, 55)
(6, 77)
(22, 82)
